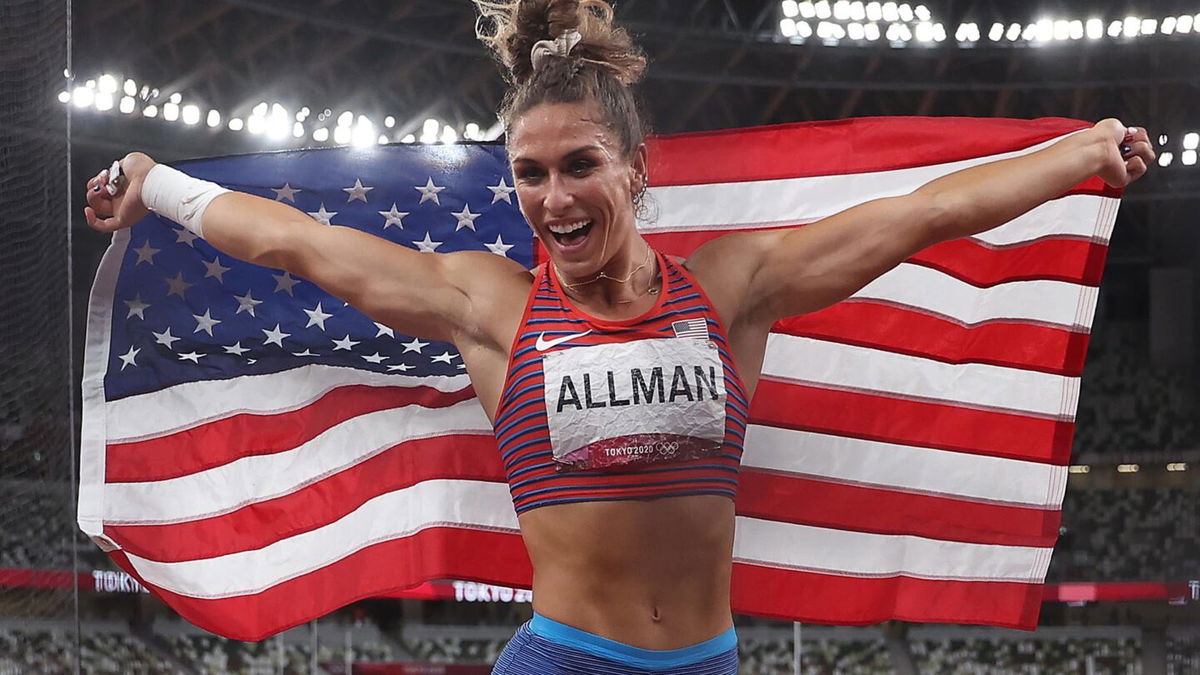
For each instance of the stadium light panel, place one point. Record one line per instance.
(823, 10)
(790, 9)
(90, 84)
(1014, 32)
(1079, 468)
(1132, 26)
(841, 10)
(906, 13)
(389, 121)
(874, 11)
(1191, 140)
(408, 139)
(260, 110)
(804, 29)
(1062, 29)
(996, 32)
(922, 13)
(1045, 30)
(1030, 32)
(321, 135)
(83, 96)
(1095, 29)
(297, 130)
(107, 84)
(191, 114)
(939, 33)
(890, 13)
(255, 125)
(170, 111)
(1168, 25)
(856, 31)
(1114, 29)
(150, 111)
(104, 100)
(277, 125)
(787, 27)
(236, 124)
(64, 97)
(1127, 468)
(345, 119)
(1076, 29)
(1166, 158)
(1177, 466)
(858, 12)
(1149, 26)
(1188, 158)
(176, 98)
(807, 11)
(130, 88)
(341, 135)
(1184, 24)
(449, 135)
(214, 119)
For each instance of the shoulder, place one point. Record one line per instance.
(725, 267)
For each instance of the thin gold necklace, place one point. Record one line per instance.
(650, 289)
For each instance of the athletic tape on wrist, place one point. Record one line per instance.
(174, 194)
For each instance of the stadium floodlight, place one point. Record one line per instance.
(213, 120)
(874, 11)
(64, 97)
(341, 135)
(107, 83)
(321, 135)
(236, 124)
(1030, 33)
(471, 131)
(1191, 140)
(824, 11)
(1095, 29)
(1188, 158)
(382, 140)
(130, 88)
(1076, 29)
(150, 111)
(924, 32)
(922, 13)
(858, 12)
(790, 8)
(1168, 25)
(804, 29)
(1114, 29)
(191, 114)
(90, 84)
(889, 12)
(83, 96)
(1149, 26)
(1079, 468)
(1184, 24)
(104, 100)
(297, 130)
(176, 98)
(1166, 158)
(170, 111)
(1014, 32)
(787, 27)
(872, 31)
(255, 124)
(1128, 468)
(841, 10)
(856, 31)
(996, 33)
(389, 121)
(345, 119)
(259, 110)
(1062, 29)
(449, 135)
(278, 124)
(807, 11)
(1132, 26)
(1045, 31)
(364, 132)
(1177, 466)
(408, 138)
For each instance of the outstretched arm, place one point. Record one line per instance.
(796, 271)
(426, 295)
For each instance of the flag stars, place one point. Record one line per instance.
(194, 357)
(501, 191)
(246, 303)
(215, 269)
(415, 346)
(465, 218)
(316, 317)
(384, 330)
(286, 193)
(284, 283)
(359, 192)
(306, 352)
(429, 191)
(205, 323)
(345, 343)
(236, 349)
(137, 307)
(275, 336)
(375, 358)
(146, 253)
(427, 245)
(129, 358)
(187, 237)
(394, 217)
(402, 367)
(444, 357)
(499, 248)
(323, 216)
(165, 338)
(177, 286)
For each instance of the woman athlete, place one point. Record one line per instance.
(627, 508)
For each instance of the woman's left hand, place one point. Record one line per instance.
(1126, 152)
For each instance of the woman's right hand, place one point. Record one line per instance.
(108, 213)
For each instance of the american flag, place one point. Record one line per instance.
(258, 453)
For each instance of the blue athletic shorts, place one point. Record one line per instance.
(546, 647)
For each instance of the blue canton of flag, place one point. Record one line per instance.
(184, 312)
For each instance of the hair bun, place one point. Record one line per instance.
(517, 25)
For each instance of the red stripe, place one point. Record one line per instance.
(893, 420)
(222, 441)
(436, 553)
(313, 506)
(796, 595)
(840, 147)
(866, 323)
(1055, 259)
(813, 501)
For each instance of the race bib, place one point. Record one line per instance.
(640, 402)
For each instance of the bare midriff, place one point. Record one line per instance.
(652, 573)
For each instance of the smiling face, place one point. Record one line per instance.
(575, 186)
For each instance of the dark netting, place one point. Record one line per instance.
(37, 533)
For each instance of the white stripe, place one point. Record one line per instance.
(249, 480)
(433, 503)
(905, 468)
(862, 554)
(1061, 303)
(786, 201)
(158, 413)
(848, 367)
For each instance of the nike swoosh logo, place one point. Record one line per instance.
(543, 344)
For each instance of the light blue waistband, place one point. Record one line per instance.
(652, 659)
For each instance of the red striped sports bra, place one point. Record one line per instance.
(599, 410)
